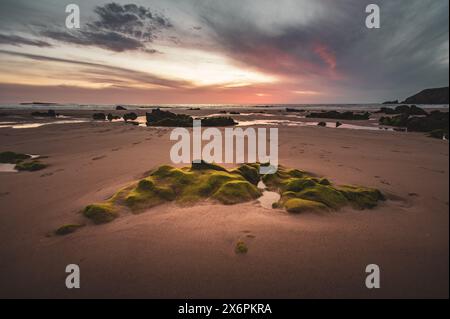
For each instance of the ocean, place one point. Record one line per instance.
(356, 107)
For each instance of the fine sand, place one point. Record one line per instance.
(188, 252)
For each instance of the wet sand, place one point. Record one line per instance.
(175, 252)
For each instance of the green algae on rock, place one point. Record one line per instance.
(299, 190)
(12, 157)
(100, 213)
(30, 166)
(302, 192)
(23, 162)
(240, 248)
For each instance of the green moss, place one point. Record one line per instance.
(295, 184)
(298, 184)
(241, 248)
(100, 213)
(30, 166)
(299, 190)
(235, 192)
(67, 229)
(13, 158)
(361, 197)
(297, 206)
(325, 195)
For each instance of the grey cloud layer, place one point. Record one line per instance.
(408, 52)
(321, 43)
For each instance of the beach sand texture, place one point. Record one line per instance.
(188, 252)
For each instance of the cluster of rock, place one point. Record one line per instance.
(23, 162)
(110, 117)
(300, 192)
(49, 113)
(340, 116)
(403, 109)
(435, 123)
(292, 110)
(169, 119)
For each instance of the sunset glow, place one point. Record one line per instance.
(205, 54)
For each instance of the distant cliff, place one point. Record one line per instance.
(429, 96)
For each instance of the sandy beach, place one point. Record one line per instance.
(188, 252)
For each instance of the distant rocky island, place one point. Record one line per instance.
(427, 96)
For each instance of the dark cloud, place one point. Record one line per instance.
(18, 41)
(408, 52)
(117, 28)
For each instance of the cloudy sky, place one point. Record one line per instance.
(211, 51)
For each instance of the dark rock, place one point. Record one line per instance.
(338, 124)
(391, 102)
(440, 134)
(166, 118)
(120, 108)
(399, 120)
(403, 109)
(13, 158)
(218, 121)
(340, 116)
(294, 110)
(436, 120)
(130, 116)
(202, 165)
(429, 96)
(414, 110)
(322, 124)
(112, 117)
(194, 109)
(234, 113)
(49, 113)
(99, 116)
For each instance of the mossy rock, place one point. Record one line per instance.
(202, 181)
(100, 213)
(204, 165)
(13, 158)
(147, 195)
(325, 195)
(299, 184)
(250, 173)
(361, 197)
(240, 248)
(295, 184)
(67, 229)
(30, 166)
(324, 181)
(298, 205)
(235, 192)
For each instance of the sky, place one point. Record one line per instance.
(214, 51)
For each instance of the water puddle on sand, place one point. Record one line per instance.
(8, 168)
(34, 125)
(268, 197)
